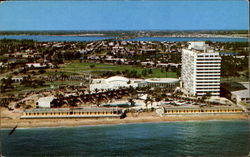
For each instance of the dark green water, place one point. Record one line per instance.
(211, 138)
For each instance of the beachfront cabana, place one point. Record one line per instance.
(72, 113)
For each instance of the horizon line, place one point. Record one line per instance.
(170, 30)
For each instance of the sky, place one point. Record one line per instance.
(124, 15)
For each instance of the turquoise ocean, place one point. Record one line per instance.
(191, 138)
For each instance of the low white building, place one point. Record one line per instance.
(170, 83)
(17, 79)
(147, 63)
(44, 102)
(241, 95)
(36, 65)
(40, 65)
(114, 82)
(117, 82)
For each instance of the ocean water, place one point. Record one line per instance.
(47, 38)
(194, 138)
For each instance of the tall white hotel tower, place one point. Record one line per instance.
(200, 71)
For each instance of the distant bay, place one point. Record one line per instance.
(176, 39)
(61, 38)
(193, 138)
(51, 38)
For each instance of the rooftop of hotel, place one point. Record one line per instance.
(200, 47)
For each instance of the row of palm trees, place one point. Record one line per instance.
(97, 97)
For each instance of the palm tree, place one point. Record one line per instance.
(131, 102)
(207, 97)
(151, 101)
(89, 92)
(146, 102)
(96, 90)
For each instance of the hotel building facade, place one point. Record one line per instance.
(200, 73)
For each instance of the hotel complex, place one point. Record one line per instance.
(200, 73)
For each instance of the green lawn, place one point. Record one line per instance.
(80, 68)
(74, 68)
(20, 89)
(58, 83)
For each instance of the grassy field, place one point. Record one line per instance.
(80, 68)
(75, 68)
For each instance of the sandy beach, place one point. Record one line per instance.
(142, 118)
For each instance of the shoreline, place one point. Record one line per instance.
(150, 118)
(94, 125)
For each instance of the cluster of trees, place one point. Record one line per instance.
(175, 58)
(28, 82)
(7, 83)
(145, 72)
(70, 55)
(232, 66)
(131, 73)
(12, 45)
(54, 54)
(236, 45)
(128, 73)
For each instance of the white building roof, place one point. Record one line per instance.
(144, 97)
(35, 65)
(117, 78)
(45, 101)
(162, 80)
(243, 93)
(196, 45)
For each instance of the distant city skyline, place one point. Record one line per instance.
(124, 15)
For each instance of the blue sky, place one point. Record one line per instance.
(124, 15)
